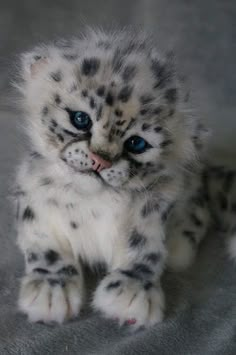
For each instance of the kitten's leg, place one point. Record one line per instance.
(131, 291)
(52, 288)
(186, 231)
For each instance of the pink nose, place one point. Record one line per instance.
(98, 163)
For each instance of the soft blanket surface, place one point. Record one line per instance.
(201, 302)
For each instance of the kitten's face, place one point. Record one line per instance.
(119, 107)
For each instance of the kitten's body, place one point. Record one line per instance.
(119, 215)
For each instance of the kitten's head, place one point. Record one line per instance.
(108, 106)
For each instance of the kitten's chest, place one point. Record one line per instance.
(98, 225)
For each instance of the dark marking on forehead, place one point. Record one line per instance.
(101, 91)
(125, 93)
(45, 110)
(70, 57)
(118, 112)
(104, 44)
(171, 95)
(90, 66)
(129, 72)
(158, 129)
(109, 99)
(84, 93)
(146, 99)
(120, 123)
(92, 103)
(56, 76)
(145, 111)
(171, 113)
(157, 110)
(57, 99)
(161, 73)
(105, 126)
(145, 126)
(131, 123)
(117, 61)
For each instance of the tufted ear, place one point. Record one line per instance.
(33, 62)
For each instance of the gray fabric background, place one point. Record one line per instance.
(201, 303)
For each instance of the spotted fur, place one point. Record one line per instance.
(121, 216)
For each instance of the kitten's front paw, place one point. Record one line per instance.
(129, 300)
(50, 299)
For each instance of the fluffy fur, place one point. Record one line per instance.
(144, 211)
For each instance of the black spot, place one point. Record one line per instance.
(191, 236)
(57, 99)
(51, 256)
(136, 239)
(125, 93)
(56, 76)
(46, 181)
(90, 66)
(171, 112)
(54, 123)
(142, 269)
(60, 137)
(36, 155)
(129, 72)
(166, 212)
(158, 129)
(69, 270)
(146, 99)
(113, 285)
(117, 61)
(41, 271)
(171, 95)
(28, 214)
(120, 123)
(37, 57)
(45, 111)
(109, 99)
(32, 257)
(101, 91)
(84, 93)
(70, 56)
(118, 113)
(74, 225)
(196, 220)
(149, 208)
(157, 111)
(145, 126)
(223, 202)
(104, 44)
(148, 285)
(161, 73)
(92, 103)
(153, 257)
(56, 282)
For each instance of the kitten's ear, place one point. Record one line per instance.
(34, 62)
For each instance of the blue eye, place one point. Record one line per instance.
(136, 145)
(80, 120)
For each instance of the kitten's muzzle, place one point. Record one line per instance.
(98, 163)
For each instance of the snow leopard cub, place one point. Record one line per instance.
(108, 178)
